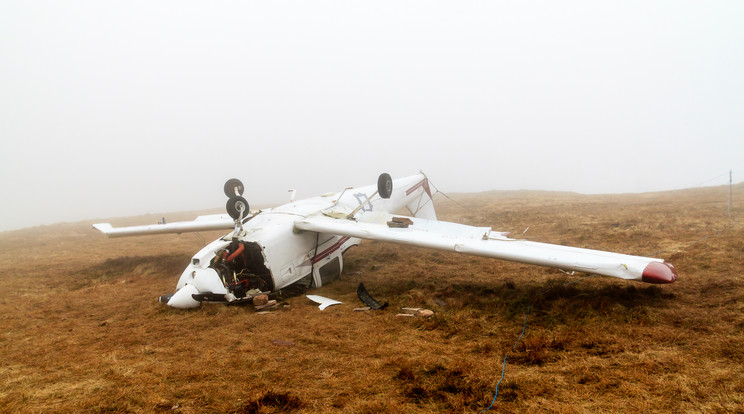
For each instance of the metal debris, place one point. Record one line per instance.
(367, 299)
(323, 301)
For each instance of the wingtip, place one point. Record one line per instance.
(659, 273)
(104, 228)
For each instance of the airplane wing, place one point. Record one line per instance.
(482, 241)
(201, 223)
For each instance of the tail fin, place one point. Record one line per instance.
(419, 200)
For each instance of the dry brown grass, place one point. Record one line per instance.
(82, 332)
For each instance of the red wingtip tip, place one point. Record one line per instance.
(657, 272)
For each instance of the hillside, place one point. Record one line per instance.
(82, 330)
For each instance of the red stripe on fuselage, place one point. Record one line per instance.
(423, 183)
(325, 253)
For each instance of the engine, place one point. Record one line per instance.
(241, 268)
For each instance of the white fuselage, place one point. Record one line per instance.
(288, 254)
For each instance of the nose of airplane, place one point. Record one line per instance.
(656, 272)
(182, 299)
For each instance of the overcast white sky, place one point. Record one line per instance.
(120, 108)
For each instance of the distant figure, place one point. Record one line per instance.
(162, 221)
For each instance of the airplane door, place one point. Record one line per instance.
(329, 271)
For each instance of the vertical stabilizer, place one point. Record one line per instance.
(419, 200)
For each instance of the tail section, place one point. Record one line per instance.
(416, 195)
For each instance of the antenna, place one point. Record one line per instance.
(731, 181)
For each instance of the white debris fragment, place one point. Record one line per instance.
(323, 301)
(425, 313)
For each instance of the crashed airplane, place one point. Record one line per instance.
(302, 243)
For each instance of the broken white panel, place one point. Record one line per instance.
(323, 301)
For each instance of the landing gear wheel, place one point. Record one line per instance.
(235, 205)
(385, 185)
(233, 187)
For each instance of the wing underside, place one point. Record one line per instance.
(201, 223)
(482, 241)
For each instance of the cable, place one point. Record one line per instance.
(446, 196)
(714, 178)
(199, 235)
(450, 199)
(529, 308)
(524, 328)
(497, 387)
(514, 348)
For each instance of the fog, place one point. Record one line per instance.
(124, 108)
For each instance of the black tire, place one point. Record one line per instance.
(234, 205)
(232, 186)
(385, 185)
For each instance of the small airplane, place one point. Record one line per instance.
(302, 243)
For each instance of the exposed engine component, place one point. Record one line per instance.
(241, 268)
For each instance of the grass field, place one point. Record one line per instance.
(82, 331)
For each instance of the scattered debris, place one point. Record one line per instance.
(405, 315)
(367, 299)
(323, 301)
(263, 304)
(270, 305)
(364, 309)
(260, 300)
(424, 313)
(265, 313)
(279, 342)
(400, 222)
